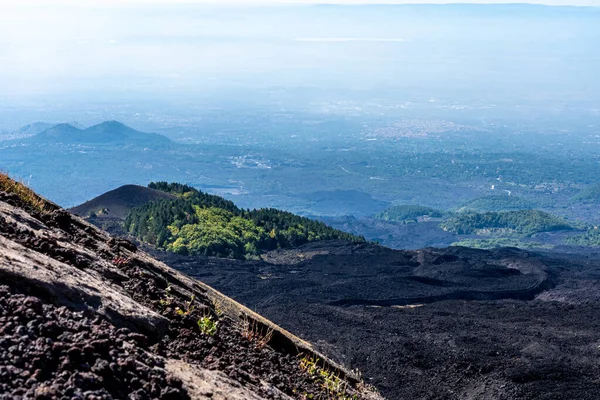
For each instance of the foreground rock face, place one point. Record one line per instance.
(83, 315)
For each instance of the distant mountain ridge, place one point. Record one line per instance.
(33, 129)
(105, 133)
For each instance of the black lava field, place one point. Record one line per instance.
(456, 323)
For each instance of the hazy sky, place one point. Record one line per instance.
(161, 49)
(247, 2)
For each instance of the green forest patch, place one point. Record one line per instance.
(408, 213)
(523, 223)
(589, 238)
(590, 195)
(198, 223)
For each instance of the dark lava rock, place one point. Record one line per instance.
(46, 353)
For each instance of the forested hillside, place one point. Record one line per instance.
(523, 222)
(590, 195)
(589, 238)
(204, 224)
(408, 213)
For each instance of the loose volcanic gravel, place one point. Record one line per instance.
(49, 352)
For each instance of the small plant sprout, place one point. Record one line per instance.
(189, 307)
(167, 299)
(207, 325)
(309, 364)
(332, 384)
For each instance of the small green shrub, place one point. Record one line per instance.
(167, 299)
(207, 325)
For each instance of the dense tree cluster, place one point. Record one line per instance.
(590, 238)
(591, 195)
(524, 222)
(408, 213)
(203, 224)
(200, 198)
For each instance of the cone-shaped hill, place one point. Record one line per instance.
(85, 315)
(119, 202)
(106, 133)
(34, 128)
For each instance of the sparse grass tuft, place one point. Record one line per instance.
(309, 365)
(121, 261)
(27, 196)
(255, 332)
(189, 307)
(218, 306)
(334, 387)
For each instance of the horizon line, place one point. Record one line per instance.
(278, 3)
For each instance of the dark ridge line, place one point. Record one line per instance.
(524, 294)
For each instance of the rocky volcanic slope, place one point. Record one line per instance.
(84, 315)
